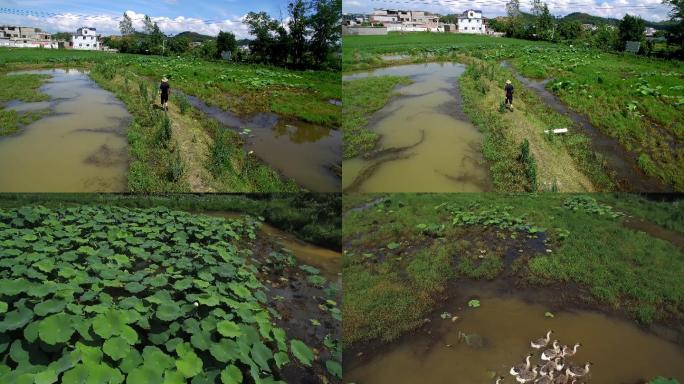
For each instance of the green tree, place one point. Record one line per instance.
(179, 44)
(545, 23)
(569, 30)
(225, 42)
(298, 30)
(327, 30)
(261, 26)
(126, 25)
(676, 35)
(630, 28)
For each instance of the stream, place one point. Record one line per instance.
(80, 146)
(500, 331)
(426, 143)
(307, 153)
(622, 163)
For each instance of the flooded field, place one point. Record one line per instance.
(306, 153)
(498, 335)
(426, 142)
(620, 162)
(80, 146)
(328, 261)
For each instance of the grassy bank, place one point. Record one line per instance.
(639, 101)
(240, 88)
(311, 217)
(401, 255)
(24, 87)
(562, 162)
(361, 98)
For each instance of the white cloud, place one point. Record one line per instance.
(107, 24)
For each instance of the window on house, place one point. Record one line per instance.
(80, 45)
(87, 45)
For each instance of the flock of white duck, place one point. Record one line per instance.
(554, 367)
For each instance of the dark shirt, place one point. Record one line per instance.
(164, 87)
(509, 89)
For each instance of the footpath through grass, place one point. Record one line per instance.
(241, 88)
(24, 87)
(639, 101)
(401, 254)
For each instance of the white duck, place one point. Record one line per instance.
(575, 371)
(542, 342)
(499, 380)
(515, 370)
(551, 353)
(527, 376)
(568, 352)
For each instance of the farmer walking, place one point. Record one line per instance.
(509, 94)
(164, 91)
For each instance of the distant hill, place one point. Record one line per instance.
(194, 36)
(586, 18)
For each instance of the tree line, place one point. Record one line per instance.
(541, 25)
(309, 39)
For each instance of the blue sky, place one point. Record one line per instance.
(173, 16)
(648, 9)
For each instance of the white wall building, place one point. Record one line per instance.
(25, 37)
(85, 38)
(406, 21)
(471, 21)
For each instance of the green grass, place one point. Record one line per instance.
(637, 100)
(361, 98)
(240, 88)
(618, 268)
(23, 87)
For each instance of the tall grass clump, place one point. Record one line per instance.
(165, 132)
(182, 102)
(176, 168)
(142, 89)
(221, 152)
(530, 164)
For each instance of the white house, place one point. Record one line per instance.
(471, 21)
(85, 38)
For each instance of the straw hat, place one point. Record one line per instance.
(507, 81)
(164, 79)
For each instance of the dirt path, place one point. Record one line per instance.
(553, 163)
(193, 143)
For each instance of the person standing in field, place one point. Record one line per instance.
(509, 94)
(164, 91)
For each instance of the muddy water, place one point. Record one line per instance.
(306, 153)
(444, 150)
(621, 352)
(622, 163)
(79, 147)
(328, 261)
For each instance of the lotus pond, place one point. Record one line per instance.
(113, 295)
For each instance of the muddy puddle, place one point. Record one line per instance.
(426, 144)
(327, 261)
(620, 162)
(492, 338)
(309, 154)
(80, 146)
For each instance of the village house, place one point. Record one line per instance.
(25, 37)
(86, 39)
(471, 21)
(406, 20)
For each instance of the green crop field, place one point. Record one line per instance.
(636, 100)
(189, 151)
(403, 251)
(105, 294)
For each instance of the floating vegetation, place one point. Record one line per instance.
(107, 295)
